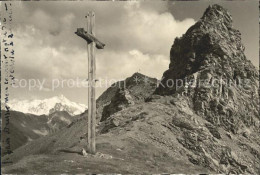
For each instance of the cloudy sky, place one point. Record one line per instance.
(138, 38)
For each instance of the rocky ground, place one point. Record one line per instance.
(143, 129)
(158, 136)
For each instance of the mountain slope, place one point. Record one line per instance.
(47, 106)
(125, 144)
(25, 128)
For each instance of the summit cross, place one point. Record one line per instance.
(92, 42)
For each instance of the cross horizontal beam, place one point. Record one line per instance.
(89, 38)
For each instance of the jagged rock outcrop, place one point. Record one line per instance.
(210, 75)
(208, 64)
(211, 44)
(121, 100)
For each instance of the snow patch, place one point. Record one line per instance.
(65, 120)
(43, 133)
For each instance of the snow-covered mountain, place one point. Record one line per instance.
(47, 106)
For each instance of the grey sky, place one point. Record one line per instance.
(138, 37)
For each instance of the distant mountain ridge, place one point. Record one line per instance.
(47, 106)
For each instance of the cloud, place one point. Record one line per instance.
(148, 31)
(137, 38)
(36, 60)
(121, 65)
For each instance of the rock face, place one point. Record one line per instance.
(209, 66)
(122, 99)
(211, 44)
(210, 75)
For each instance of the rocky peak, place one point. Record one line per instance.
(133, 90)
(209, 67)
(137, 74)
(217, 14)
(138, 79)
(211, 44)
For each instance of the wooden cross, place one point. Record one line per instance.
(92, 42)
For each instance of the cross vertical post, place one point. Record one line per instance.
(92, 73)
(92, 42)
(89, 86)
